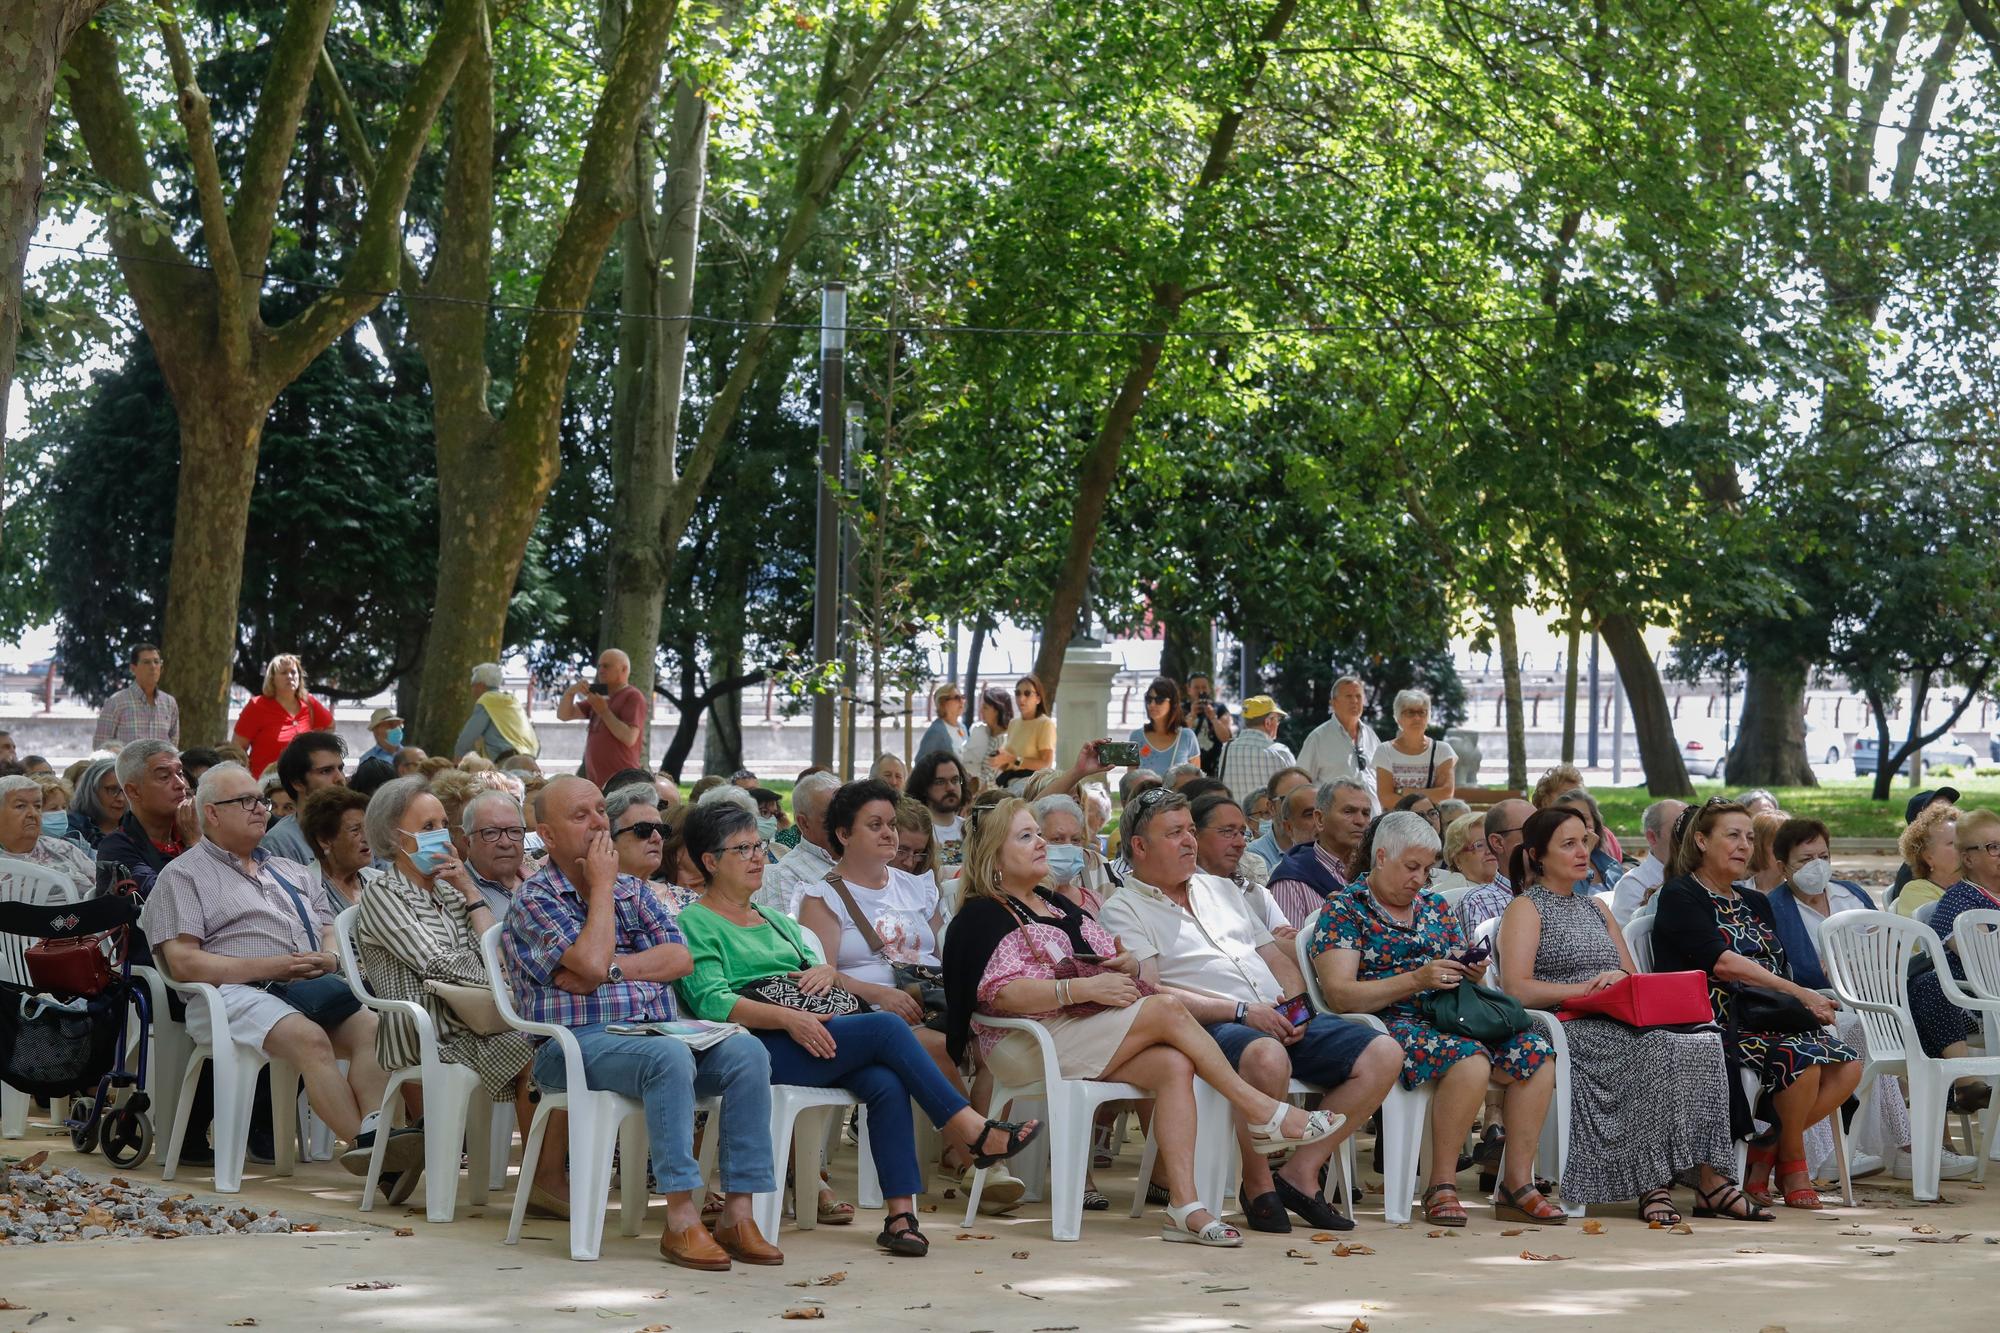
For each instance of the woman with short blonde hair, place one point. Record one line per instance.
(281, 711)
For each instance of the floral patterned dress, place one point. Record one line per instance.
(1353, 920)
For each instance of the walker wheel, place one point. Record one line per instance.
(83, 1126)
(128, 1137)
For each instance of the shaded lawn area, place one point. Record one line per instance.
(1844, 806)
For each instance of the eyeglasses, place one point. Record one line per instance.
(644, 829)
(1990, 848)
(744, 851)
(490, 836)
(253, 803)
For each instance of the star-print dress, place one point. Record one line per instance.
(1353, 920)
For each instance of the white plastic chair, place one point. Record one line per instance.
(172, 1048)
(599, 1123)
(1639, 939)
(1554, 1146)
(1405, 1113)
(1071, 1106)
(451, 1093)
(1867, 958)
(236, 1066)
(1976, 937)
(1923, 913)
(24, 882)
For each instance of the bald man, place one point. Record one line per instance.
(590, 948)
(617, 716)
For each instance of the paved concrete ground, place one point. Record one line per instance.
(1875, 1266)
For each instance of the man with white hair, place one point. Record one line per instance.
(1343, 746)
(21, 836)
(496, 846)
(1319, 867)
(617, 717)
(1198, 937)
(808, 863)
(221, 913)
(1638, 885)
(499, 726)
(1249, 761)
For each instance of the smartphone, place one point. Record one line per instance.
(1474, 956)
(1097, 959)
(632, 1030)
(1118, 754)
(1296, 1010)
(599, 687)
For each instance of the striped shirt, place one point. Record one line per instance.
(547, 917)
(129, 716)
(1300, 901)
(205, 893)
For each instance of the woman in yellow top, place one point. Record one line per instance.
(1031, 737)
(1930, 846)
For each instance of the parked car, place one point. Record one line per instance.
(1824, 745)
(1946, 749)
(1704, 746)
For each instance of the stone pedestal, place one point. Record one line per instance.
(1083, 699)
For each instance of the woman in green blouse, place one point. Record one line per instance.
(872, 1055)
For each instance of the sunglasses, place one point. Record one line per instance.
(645, 828)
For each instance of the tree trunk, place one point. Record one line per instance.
(1510, 687)
(660, 258)
(980, 629)
(1569, 689)
(1652, 718)
(33, 34)
(220, 428)
(1187, 649)
(1770, 745)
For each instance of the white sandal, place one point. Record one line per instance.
(1217, 1233)
(1269, 1137)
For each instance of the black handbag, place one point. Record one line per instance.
(1468, 1009)
(1757, 1009)
(782, 991)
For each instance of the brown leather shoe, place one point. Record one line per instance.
(747, 1244)
(693, 1248)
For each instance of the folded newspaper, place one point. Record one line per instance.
(697, 1033)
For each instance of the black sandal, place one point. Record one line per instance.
(1658, 1206)
(910, 1243)
(1018, 1135)
(1722, 1202)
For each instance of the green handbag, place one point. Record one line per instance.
(1468, 1009)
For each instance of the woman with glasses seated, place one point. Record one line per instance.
(420, 922)
(639, 835)
(738, 949)
(1165, 740)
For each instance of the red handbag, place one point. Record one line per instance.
(70, 966)
(1647, 1000)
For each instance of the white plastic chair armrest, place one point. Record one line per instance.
(496, 976)
(344, 927)
(211, 998)
(1051, 1065)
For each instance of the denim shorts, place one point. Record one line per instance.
(1325, 1055)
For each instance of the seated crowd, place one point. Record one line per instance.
(873, 938)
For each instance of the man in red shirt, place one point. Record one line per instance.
(617, 713)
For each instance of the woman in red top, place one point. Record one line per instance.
(282, 711)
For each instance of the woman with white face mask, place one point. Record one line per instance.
(1075, 868)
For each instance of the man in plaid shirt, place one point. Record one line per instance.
(142, 711)
(586, 947)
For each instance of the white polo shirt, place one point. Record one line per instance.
(1211, 950)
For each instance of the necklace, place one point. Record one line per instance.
(1396, 914)
(1720, 893)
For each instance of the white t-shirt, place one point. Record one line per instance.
(1413, 772)
(1211, 950)
(950, 845)
(901, 913)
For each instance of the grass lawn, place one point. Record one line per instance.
(1844, 806)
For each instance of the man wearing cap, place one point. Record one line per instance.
(1248, 762)
(1919, 803)
(387, 729)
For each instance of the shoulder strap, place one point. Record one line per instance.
(805, 961)
(855, 914)
(1430, 765)
(298, 905)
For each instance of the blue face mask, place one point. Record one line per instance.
(767, 827)
(55, 824)
(1065, 862)
(393, 736)
(432, 846)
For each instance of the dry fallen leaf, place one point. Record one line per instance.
(1358, 1326)
(804, 1312)
(1681, 1229)
(305, 1226)
(34, 1160)
(930, 1208)
(1593, 1228)
(1020, 1254)
(974, 1235)
(1297, 1254)
(1441, 1232)
(371, 1286)
(1342, 1250)
(405, 1231)
(1323, 1237)
(1517, 1231)
(656, 1328)
(1924, 1229)
(1939, 1240)
(831, 1279)
(1772, 1328)
(6, 1304)
(1543, 1258)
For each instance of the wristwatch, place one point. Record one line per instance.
(614, 974)
(1242, 1011)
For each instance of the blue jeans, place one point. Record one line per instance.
(668, 1077)
(879, 1060)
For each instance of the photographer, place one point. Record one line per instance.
(1209, 717)
(617, 715)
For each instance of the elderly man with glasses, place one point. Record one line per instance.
(1503, 835)
(496, 847)
(228, 914)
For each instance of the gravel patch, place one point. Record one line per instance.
(40, 1205)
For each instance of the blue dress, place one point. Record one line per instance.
(1183, 751)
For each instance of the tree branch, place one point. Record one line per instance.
(232, 325)
(275, 133)
(354, 142)
(1981, 18)
(1937, 68)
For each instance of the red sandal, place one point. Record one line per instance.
(1757, 1164)
(1806, 1196)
